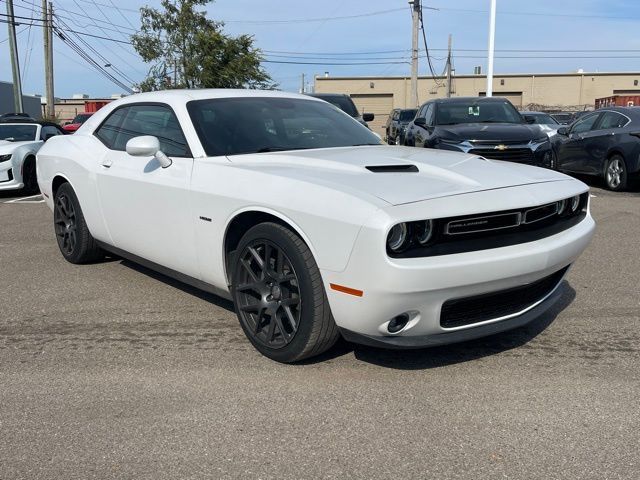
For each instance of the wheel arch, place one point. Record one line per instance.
(240, 222)
(57, 181)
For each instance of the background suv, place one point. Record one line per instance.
(490, 127)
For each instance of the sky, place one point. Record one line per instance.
(318, 33)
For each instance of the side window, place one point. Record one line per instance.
(428, 115)
(585, 124)
(136, 120)
(612, 120)
(48, 131)
(422, 111)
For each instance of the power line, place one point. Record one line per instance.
(311, 20)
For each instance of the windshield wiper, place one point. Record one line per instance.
(9, 139)
(364, 144)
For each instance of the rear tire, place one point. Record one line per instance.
(74, 239)
(29, 177)
(615, 173)
(279, 296)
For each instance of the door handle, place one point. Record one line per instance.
(107, 162)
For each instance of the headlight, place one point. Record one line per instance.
(4, 158)
(562, 206)
(397, 238)
(575, 202)
(450, 141)
(424, 231)
(540, 139)
(410, 235)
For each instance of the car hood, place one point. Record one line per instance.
(498, 132)
(436, 173)
(8, 147)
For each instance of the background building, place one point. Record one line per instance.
(30, 103)
(544, 91)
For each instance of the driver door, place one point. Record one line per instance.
(146, 207)
(571, 149)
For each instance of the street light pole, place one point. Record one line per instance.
(415, 14)
(15, 62)
(492, 36)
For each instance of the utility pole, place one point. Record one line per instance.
(302, 85)
(415, 16)
(15, 61)
(47, 20)
(449, 75)
(492, 37)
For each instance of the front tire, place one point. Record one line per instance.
(74, 239)
(615, 174)
(279, 296)
(29, 177)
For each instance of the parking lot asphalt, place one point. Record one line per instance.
(113, 371)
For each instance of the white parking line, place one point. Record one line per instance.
(32, 199)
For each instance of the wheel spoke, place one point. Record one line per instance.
(272, 329)
(290, 317)
(256, 257)
(283, 332)
(280, 263)
(249, 270)
(288, 302)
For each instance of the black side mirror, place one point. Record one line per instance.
(368, 117)
(420, 121)
(563, 131)
(530, 119)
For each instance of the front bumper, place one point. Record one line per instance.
(10, 176)
(420, 287)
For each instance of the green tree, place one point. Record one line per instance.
(187, 50)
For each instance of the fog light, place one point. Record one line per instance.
(397, 323)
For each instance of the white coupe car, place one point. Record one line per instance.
(315, 229)
(20, 140)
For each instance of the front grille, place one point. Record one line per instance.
(520, 155)
(488, 306)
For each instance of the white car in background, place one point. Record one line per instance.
(299, 214)
(20, 140)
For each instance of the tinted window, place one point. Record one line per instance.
(477, 112)
(18, 133)
(231, 126)
(423, 109)
(543, 119)
(428, 115)
(137, 120)
(585, 124)
(407, 115)
(49, 131)
(612, 120)
(343, 102)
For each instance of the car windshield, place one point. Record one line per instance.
(477, 112)
(543, 119)
(407, 115)
(81, 118)
(343, 102)
(233, 126)
(18, 132)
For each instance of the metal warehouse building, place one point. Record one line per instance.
(544, 91)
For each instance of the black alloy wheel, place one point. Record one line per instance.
(279, 295)
(74, 239)
(268, 294)
(64, 219)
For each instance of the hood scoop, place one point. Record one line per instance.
(406, 168)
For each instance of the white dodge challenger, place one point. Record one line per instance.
(299, 214)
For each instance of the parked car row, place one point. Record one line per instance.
(604, 143)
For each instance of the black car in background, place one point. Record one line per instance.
(486, 126)
(397, 124)
(345, 103)
(605, 143)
